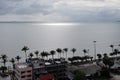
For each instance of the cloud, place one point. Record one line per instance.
(60, 10)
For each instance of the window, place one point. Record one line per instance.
(22, 72)
(29, 71)
(23, 77)
(28, 75)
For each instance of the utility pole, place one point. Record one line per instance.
(94, 42)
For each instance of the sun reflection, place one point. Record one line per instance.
(58, 24)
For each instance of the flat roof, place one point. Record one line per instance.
(58, 62)
(22, 65)
(47, 63)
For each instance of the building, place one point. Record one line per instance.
(22, 71)
(52, 67)
(57, 68)
(36, 69)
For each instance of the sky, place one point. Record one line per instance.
(60, 10)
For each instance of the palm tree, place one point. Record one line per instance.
(4, 59)
(36, 53)
(112, 46)
(52, 52)
(84, 51)
(42, 54)
(4, 62)
(18, 58)
(105, 55)
(86, 58)
(63, 53)
(4, 56)
(91, 58)
(116, 52)
(66, 50)
(70, 59)
(59, 52)
(111, 54)
(12, 60)
(3, 69)
(99, 56)
(25, 49)
(73, 50)
(31, 55)
(46, 54)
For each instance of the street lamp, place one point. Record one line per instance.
(94, 42)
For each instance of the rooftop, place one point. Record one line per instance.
(22, 65)
(86, 68)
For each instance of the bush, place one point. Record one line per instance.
(78, 75)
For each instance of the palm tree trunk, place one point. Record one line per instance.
(116, 56)
(47, 57)
(52, 56)
(25, 55)
(4, 64)
(66, 55)
(63, 55)
(112, 50)
(58, 55)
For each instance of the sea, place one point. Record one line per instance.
(50, 36)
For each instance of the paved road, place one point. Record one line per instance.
(116, 77)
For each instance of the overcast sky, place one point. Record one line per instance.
(60, 10)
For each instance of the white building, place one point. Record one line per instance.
(23, 71)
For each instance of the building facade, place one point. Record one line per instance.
(22, 71)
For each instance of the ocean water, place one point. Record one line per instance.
(50, 36)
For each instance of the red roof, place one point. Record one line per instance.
(46, 77)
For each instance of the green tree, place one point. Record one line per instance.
(12, 60)
(59, 52)
(78, 75)
(3, 69)
(36, 53)
(112, 46)
(116, 52)
(42, 54)
(91, 58)
(31, 55)
(18, 58)
(84, 51)
(70, 59)
(73, 51)
(107, 61)
(25, 49)
(105, 72)
(86, 58)
(4, 59)
(99, 57)
(112, 54)
(52, 52)
(46, 54)
(65, 50)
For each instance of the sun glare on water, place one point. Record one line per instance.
(57, 24)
